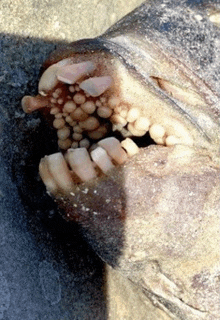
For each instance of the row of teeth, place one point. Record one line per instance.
(54, 169)
(82, 114)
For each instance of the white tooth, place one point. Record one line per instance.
(81, 163)
(59, 115)
(71, 73)
(54, 110)
(79, 98)
(114, 149)
(49, 79)
(89, 107)
(59, 171)
(135, 132)
(113, 102)
(63, 133)
(77, 129)
(156, 131)
(64, 144)
(46, 177)
(90, 124)
(130, 147)
(116, 119)
(96, 86)
(77, 136)
(104, 112)
(79, 115)
(133, 114)
(58, 123)
(142, 123)
(75, 145)
(84, 143)
(98, 133)
(30, 104)
(101, 158)
(172, 140)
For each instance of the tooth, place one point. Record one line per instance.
(89, 124)
(98, 103)
(59, 171)
(46, 177)
(71, 73)
(98, 133)
(172, 140)
(157, 132)
(64, 144)
(135, 132)
(57, 93)
(70, 121)
(77, 136)
(89, 107)
(116, 119)
(81, 163)
(142, 123)
(84, 143)
(113, 102)
(133, 114)
(71, 89)
(77, 129)
(54, 110)
(96, 86)
(104, 112)
(59, 115)
(49, 79)
(123, 113)
(114, 149)
(30, 104)
(58, 123)
(63, 133)
(79, 115)
(74, 145)
(130, 147)
(101, 158)
(79, 98)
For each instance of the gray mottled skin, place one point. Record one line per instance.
(155, 219)
(163, 243)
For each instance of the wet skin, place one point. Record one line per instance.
(153, 217)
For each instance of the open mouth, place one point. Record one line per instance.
(99, 122)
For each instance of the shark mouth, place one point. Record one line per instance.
(99, 124)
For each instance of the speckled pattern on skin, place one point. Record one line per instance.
(34, 239)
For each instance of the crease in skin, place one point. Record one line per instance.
(146, 78)
(137, 160)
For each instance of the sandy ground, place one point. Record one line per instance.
(47, 271)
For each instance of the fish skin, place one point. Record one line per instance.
(155, 220)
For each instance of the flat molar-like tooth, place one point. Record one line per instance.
(97, 85)
(130, 146)
(71, 73)
(59, 171)
(102, 159)
(114, 149)
(81, 164)
(30, 104)
(49, 79)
